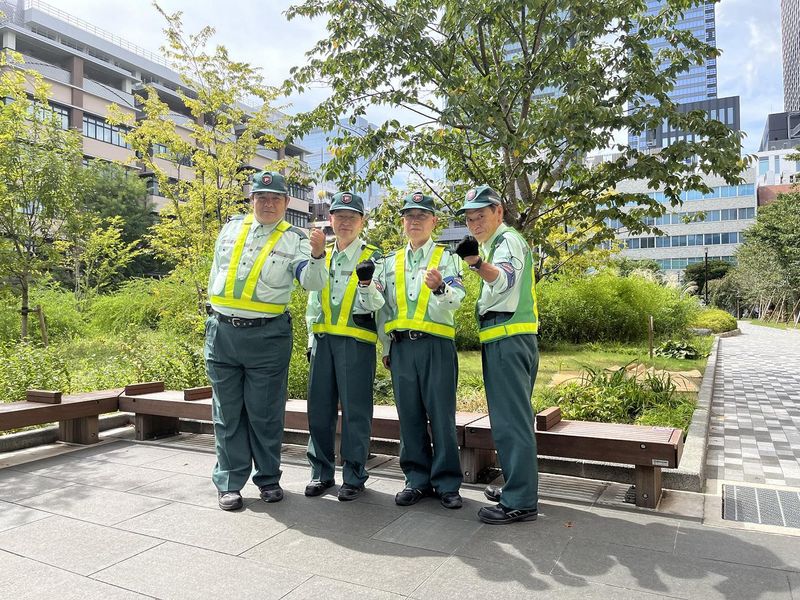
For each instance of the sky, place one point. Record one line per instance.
(256, 31)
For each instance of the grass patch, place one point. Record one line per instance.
(773, 324)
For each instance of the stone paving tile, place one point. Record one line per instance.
(756, 393)
(177, 572)
(96, 505)
(72, 545)
(187, 462)
(187, 489)
(322, 588)
(467, 578)
(667, 574)
(129, 454)
(25, 579)
(430, 532)
(212, 529)
(16, 485)
(13, 515)
(381, 565)
(794, 583)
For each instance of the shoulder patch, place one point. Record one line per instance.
(299, 232)
(235, 218)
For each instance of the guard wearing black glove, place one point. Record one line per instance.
(467, 247)
(365, 270)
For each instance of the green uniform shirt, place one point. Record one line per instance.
(343, 263)
(502, 294)
(441, 308)
(290, 259)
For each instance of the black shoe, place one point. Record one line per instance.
(410, 496)
(451, 500)
(493, 492)
(271, 493)
(350, 492)
(317, 487)
(500, 515)
(230, 500)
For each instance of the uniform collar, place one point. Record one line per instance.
(426, 248)
(351, 250)
(487, 246)
(267, 228)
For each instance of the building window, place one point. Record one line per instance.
(763, 166)
(777, 163)
(297, 218)
(97, 129)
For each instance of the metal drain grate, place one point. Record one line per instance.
(761, 505)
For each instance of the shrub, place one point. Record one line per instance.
(28, 366)
(606, 307)
(714, 319)
(466, 323)
(61, 310)
(132, 307)
(676, 349)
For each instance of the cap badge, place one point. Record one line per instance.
(417, 197)
(266, 179)
(347, 198)
(471, 194)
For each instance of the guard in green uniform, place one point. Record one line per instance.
(249, 336)
(342, 336)
(508, 323)
(423, 289)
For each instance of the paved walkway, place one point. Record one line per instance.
(132, 520)
(755, 411)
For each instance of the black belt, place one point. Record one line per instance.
(241, 321)
(494, 315)
(399, 336)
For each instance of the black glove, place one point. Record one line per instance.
(467, 247)
(365, 270)
(308, 354)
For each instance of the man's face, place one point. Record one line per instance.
(347, 224)
(269, 207)
(483, 222)
(418, 224)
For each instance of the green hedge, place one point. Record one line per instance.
(714, 319)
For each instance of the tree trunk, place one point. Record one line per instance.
(24, 311)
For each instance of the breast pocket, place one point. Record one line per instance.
(276, 272)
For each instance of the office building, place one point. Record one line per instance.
(790, 45)
(89, 69)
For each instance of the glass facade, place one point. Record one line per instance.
(97, 129)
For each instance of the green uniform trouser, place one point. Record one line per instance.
(248, 368)
(342, 370)
(509, 372)
(424, 374)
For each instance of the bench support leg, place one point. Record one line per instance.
(473, 461)
(152, 426)
(84, 430)
(648, 486)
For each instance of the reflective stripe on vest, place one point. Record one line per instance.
(341, 327)
(244, 299)
(416, 322)
(526, 317)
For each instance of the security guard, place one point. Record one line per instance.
(342, 337)
(508, 323)
(423, 289)
(249, 336)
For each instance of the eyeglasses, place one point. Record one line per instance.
(274, 200)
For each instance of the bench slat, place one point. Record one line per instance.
(16, 415)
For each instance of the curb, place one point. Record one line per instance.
(49, 435)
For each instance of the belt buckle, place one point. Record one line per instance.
(415, 335)
(237, 322)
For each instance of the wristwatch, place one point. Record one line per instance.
(477, 265)
(440, 290)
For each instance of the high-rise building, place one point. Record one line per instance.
(698, 85)
(790, 41)
(89, 69)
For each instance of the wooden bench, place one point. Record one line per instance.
(77, 414)
(157, 413)
(649, 449)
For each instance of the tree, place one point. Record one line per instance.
(111, 190)
(696, 272)
(515, 94)
(40, 171)
(384, 225)
(201, 167)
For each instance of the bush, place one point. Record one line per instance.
(676, 349)
(466, 323)
(714, 319)
(617, 398)
(61, 310)
(609, 308)
(132, 307)
(28, 366)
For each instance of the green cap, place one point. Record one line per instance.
(420, 201)
(269, 181)
(478, 198)
(347, 201)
